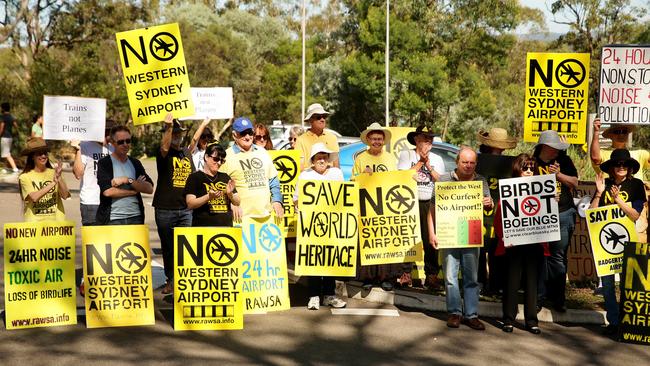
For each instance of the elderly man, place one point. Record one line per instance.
(255, 176)
(121, 181)
(465, 258)
(619, 135)
(317, 118)
(427, 167)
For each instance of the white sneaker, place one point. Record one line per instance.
(314, 303)
(16, 170)
(334, 302)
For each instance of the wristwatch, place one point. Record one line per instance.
(130, 180)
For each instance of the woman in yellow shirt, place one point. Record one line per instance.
(41, 186)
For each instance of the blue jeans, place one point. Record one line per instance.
(133, 220)
(454, 259)
(166, 221)
(555, 287)
(88, 214)
(609, 293)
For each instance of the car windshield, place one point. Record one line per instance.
(277, 132)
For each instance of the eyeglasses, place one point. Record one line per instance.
(292, 139)
(122, 142)
(217, 159)
(261, 137)
(319, 116)
(620, 131)
(207, 137)
(247, 132)
(620, 164)
(528, 168)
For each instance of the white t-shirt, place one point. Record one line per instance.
(197, 158)
(91, 152)
(408, 158)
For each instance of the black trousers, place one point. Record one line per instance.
(321, 286)
(522, 264)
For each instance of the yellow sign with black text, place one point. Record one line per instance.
(389, 222)
(287, 164)
(156, 77)
(207, 285)
(609, 230)
(117, 275)
(459, 214)
(557, 91)
(39, 274)
(327, 228)
(398, 140)
(265, 281)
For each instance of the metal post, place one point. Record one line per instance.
(387, 61)
(304, 26)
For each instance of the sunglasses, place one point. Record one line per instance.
(122, 142)
(319, 116)
(207, 137)
(217, 159)
(620, 164)
(248, 132)
(620, 131)
(292, 139)
(40, 153)
(261, 137)
(528, 168)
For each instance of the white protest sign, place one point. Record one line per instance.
(624, 92)
(529, 211)
(73, 118)
(212, 103)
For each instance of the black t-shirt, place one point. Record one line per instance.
(173, 171)
(8, 119)
(631, 191)
(566, 168)
(215, 212)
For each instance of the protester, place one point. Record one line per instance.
(520, 261)
(121, 179)
(621, 188)
(428, 167)
(493, 165)
(254, 174)
(200, 139)
(551, 158)
(7, 124)
(321, 159)
(317, 119)
(262, 136)
(42, 187)
(619, 135)
(375, 159)
(294, 132)
(464, 258)
(87, 156)
(209, 192)
(37, 126)
(174, 165)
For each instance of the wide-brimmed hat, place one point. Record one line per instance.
(315, 108)
(34, 144)
(552, 139)
(615, 127)
(375, 127)
(177, 127)
(496, 137)
(320, 147)
(420, 130)
(620, 155)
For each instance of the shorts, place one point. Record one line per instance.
(5, 147)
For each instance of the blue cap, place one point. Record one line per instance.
(242, 124)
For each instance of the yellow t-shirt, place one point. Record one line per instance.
(251, 171)
(383, 162)
(641, 156)
(50, 206)
(308, 139)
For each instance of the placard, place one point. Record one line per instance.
(609, 230)
(459, 214)
(635, 292)
(211, 103)
(73, 118)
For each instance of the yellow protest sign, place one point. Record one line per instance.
(290, 225)
(389, 223)
(327, 228)
(287, 164)
(557, 88)
(459, 214)
(207, 289)
(39, 274)
(398, 141)
(265, 283)
(156, 77)
(117, 274)
(609, 230)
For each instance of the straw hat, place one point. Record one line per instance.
(552, 139)
(620, 155)
(34, 144)
(496, 137)
(615, 127)
(320, 147)
(315, 108)
(375, 127)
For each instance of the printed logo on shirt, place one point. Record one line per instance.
(545, 170)
(253, 173)
(609, 199)
(218, 204)
(182, 168)
(47, 204)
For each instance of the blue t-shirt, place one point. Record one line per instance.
(124, 207)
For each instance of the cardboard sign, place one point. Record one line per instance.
(265, 283)
(212, 103)
(624, 92)
(117, 274)
(609, 230)
(580, 266)
(290, 226)
(635, 292)
(389, 222)
(529, 211)
(73, 118)
(459, 214)
(327, 228)
(398, 141)
(156, 77)
(39, 274)
(207, 286)
(557, 88)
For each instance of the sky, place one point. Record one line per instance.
(545, 6)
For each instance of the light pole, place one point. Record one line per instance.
(304, 26)
(387, 61)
